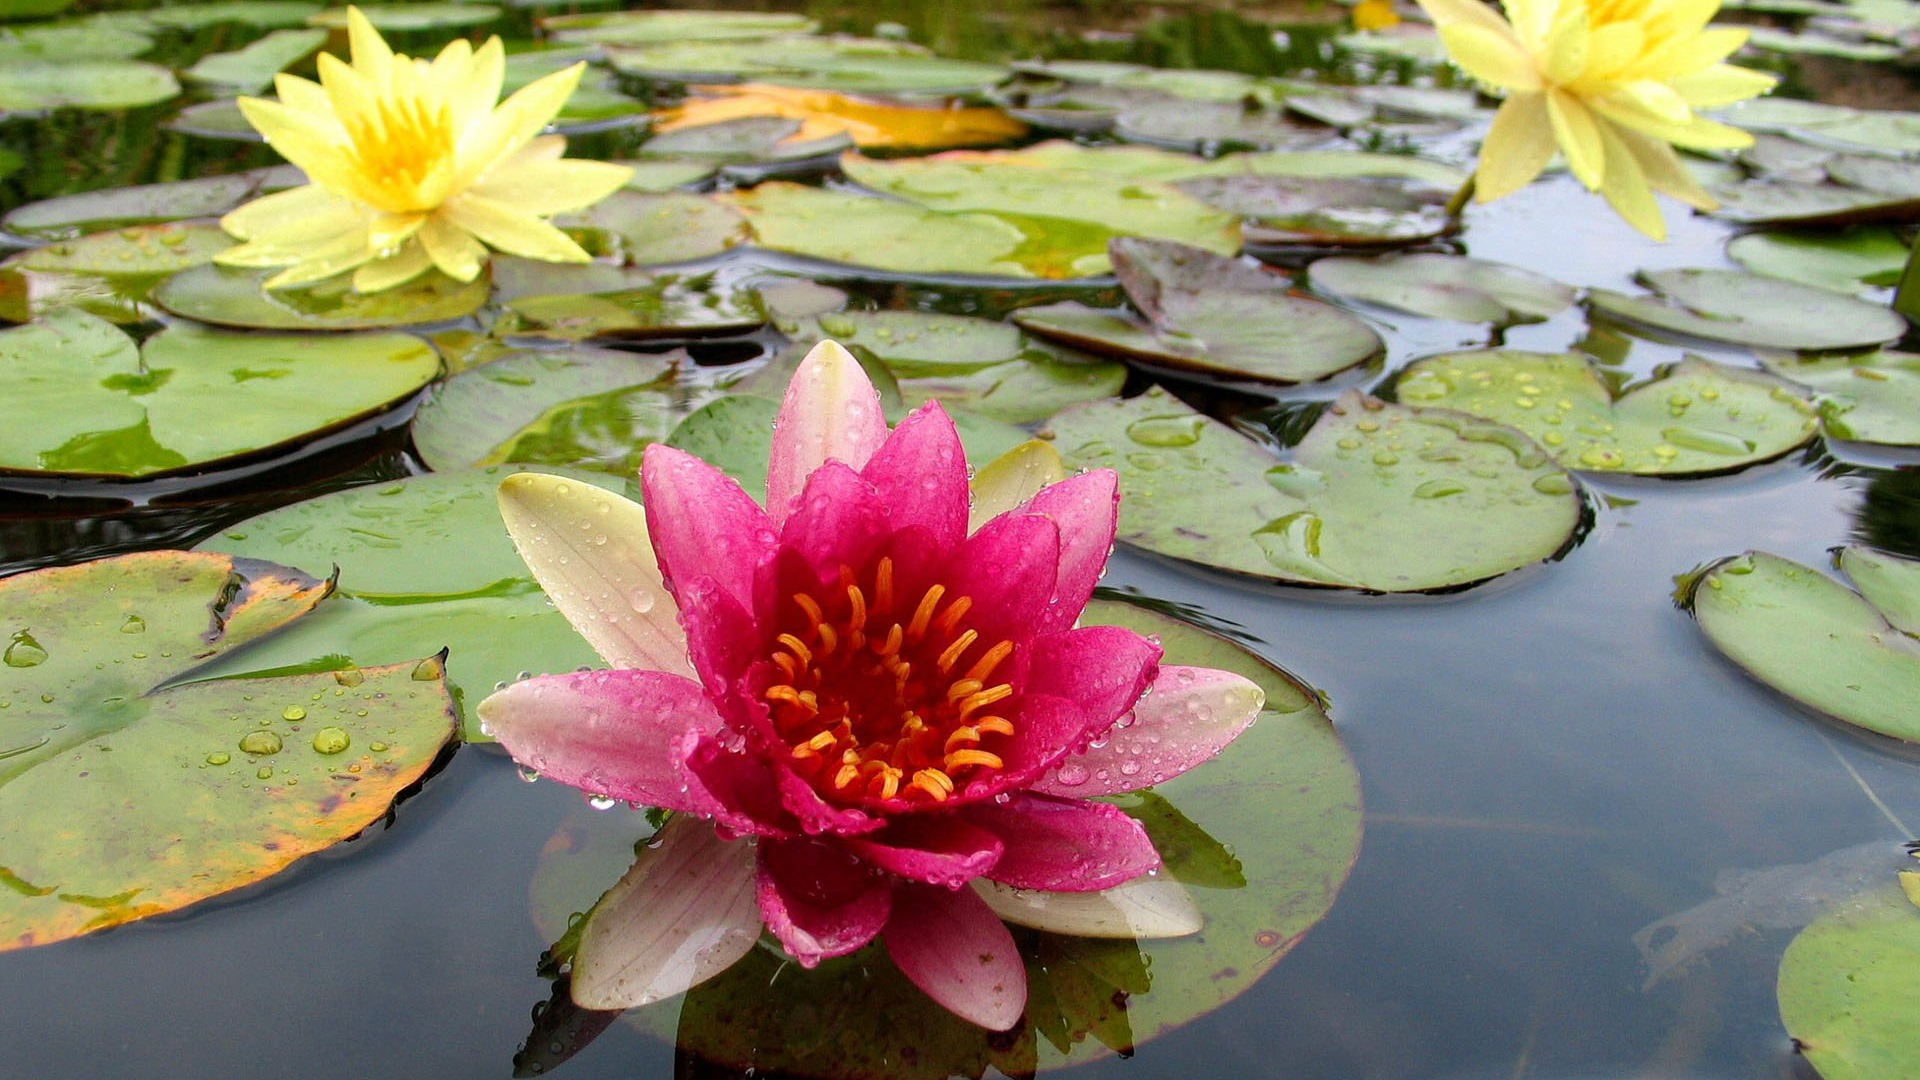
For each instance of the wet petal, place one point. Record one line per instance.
(933, 848)
(1086, 508)
(685, 912)
(1065, 845)
(831, 412)
(1146, 907)
(1187, 716)
(591, 551)
(703, 524)
(920, 475)
(1103, 669)
(622, 734)
(394, 271)
(820, 900)
(838, 520)
(1010, 569)
(508, 228)
(953, 947)
(458, 255)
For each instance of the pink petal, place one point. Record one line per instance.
(1087, 510)
(1188, 715)
(1045, 730)
(723, 640)
(820, 900)
(1065, 845)
(921, 475)
(703, 524)
(938, 849)
(838, 520)
(684, 913)
(743, 787)
(831, 412)
(622, 734)
(610, 590)
(1008, 568)
(953, 947)
(816, 815)
(1103, 669)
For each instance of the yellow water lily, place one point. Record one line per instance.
(1375, 15)
(413, 167)
(1615, 85)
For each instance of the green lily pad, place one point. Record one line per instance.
(978, 365)
(607, 431)
(220, 119)
(642, 230)
(61, 43)
(1847, 987)
(845, 64)
(1757, 202)
(107, 274)
(1262, 837)
(1030, 196)
(883, 234)
(1871, 398)
(228, 782)
(667, 305)
(252, 68)
(190, 396)
(1810, 42)
(1213, 315)
(1846, 262)
(265, 14)
(1320, 210)
(1445, 287)
(424, 563)
(1747, 309)
(1692, 419)
(478, 416)
(1813, 639)
(1199, 126)
(662, 175)
(1377, 497)
(1892, 175)
(84, 84)
(658, 27)
(747, 140)
(389, 18)
(228, 297)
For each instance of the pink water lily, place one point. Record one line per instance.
(858, 703)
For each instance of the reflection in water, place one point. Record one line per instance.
(1889, 515)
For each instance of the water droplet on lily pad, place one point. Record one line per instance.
(219, 757)
(331, 740)
(134, 625)
(1165, 431)
(260, 742)
(23, 651)
(293, 712)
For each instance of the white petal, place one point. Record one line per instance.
(683, 913)
(611, 592)
(1146, 907)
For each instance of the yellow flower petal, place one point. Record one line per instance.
(1446, 13)
(1578, 134)
(1664, 170)
(305, 96)
(1656, 100)
(1686, 56)
(369, 50)
(475, 87)
(393, 271)
(504, 228)
(552, 187)
(1614, 48)
(1697, 134)
(1518, 147)
(296, 215)
(1566, 47)
(514, 124)
(1626, 190)
(302, 140)
(1493, 58)
(458, 255)
(348, 253)
(1721, 85)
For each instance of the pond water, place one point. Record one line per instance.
(1550, 762)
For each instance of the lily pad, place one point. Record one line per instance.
(1262, 837)
(107, 274)
(1377, 497)
(643, 230)
(1847, 987)
(210, 785)
(424, 562)
(190, 396)
(478, 416)
(220, 119)
(846, 64)
(68, 217)
(265, 14)
(57, 43)
(889, 235)
(657, 27)
(1813, 639)
(1870, 398)
(402, 17)
(1694, 418)
(228, 297)
(84, 84)
(1844, 262)
(252, 68)
(1203, 126)
(667, 305)
(1213, 315)
(1747, 309)
(1341, 211)
(1757, 202)
(661, 175)
(1445, 287)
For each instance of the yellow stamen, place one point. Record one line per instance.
(960, 759)
(883, 585)
(994, 725)
(799, 649)
(888, 782)
(935, 783)
(829, 640)
(895, 638)
(989, 696)
(811, 606)
(982, 668)
(956, 611)
(857, 618)
(958, 649)
(917, 628)
(789, 666)
(963, 688)
(846, 776)
(962, 736)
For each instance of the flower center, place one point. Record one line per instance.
(399, 145)
(884, 700)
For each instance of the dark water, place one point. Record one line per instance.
(1549, 763)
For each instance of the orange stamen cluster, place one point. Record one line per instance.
(880, 700)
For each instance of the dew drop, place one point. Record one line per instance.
(134, 625)
(641, 600)
(529, 775)
(1072, 774)
(23, 651)
(1166, 430)
(219, 757)
(293, 712)
(331, 740)
(264, 772)
(602, 802)
(260, 742)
